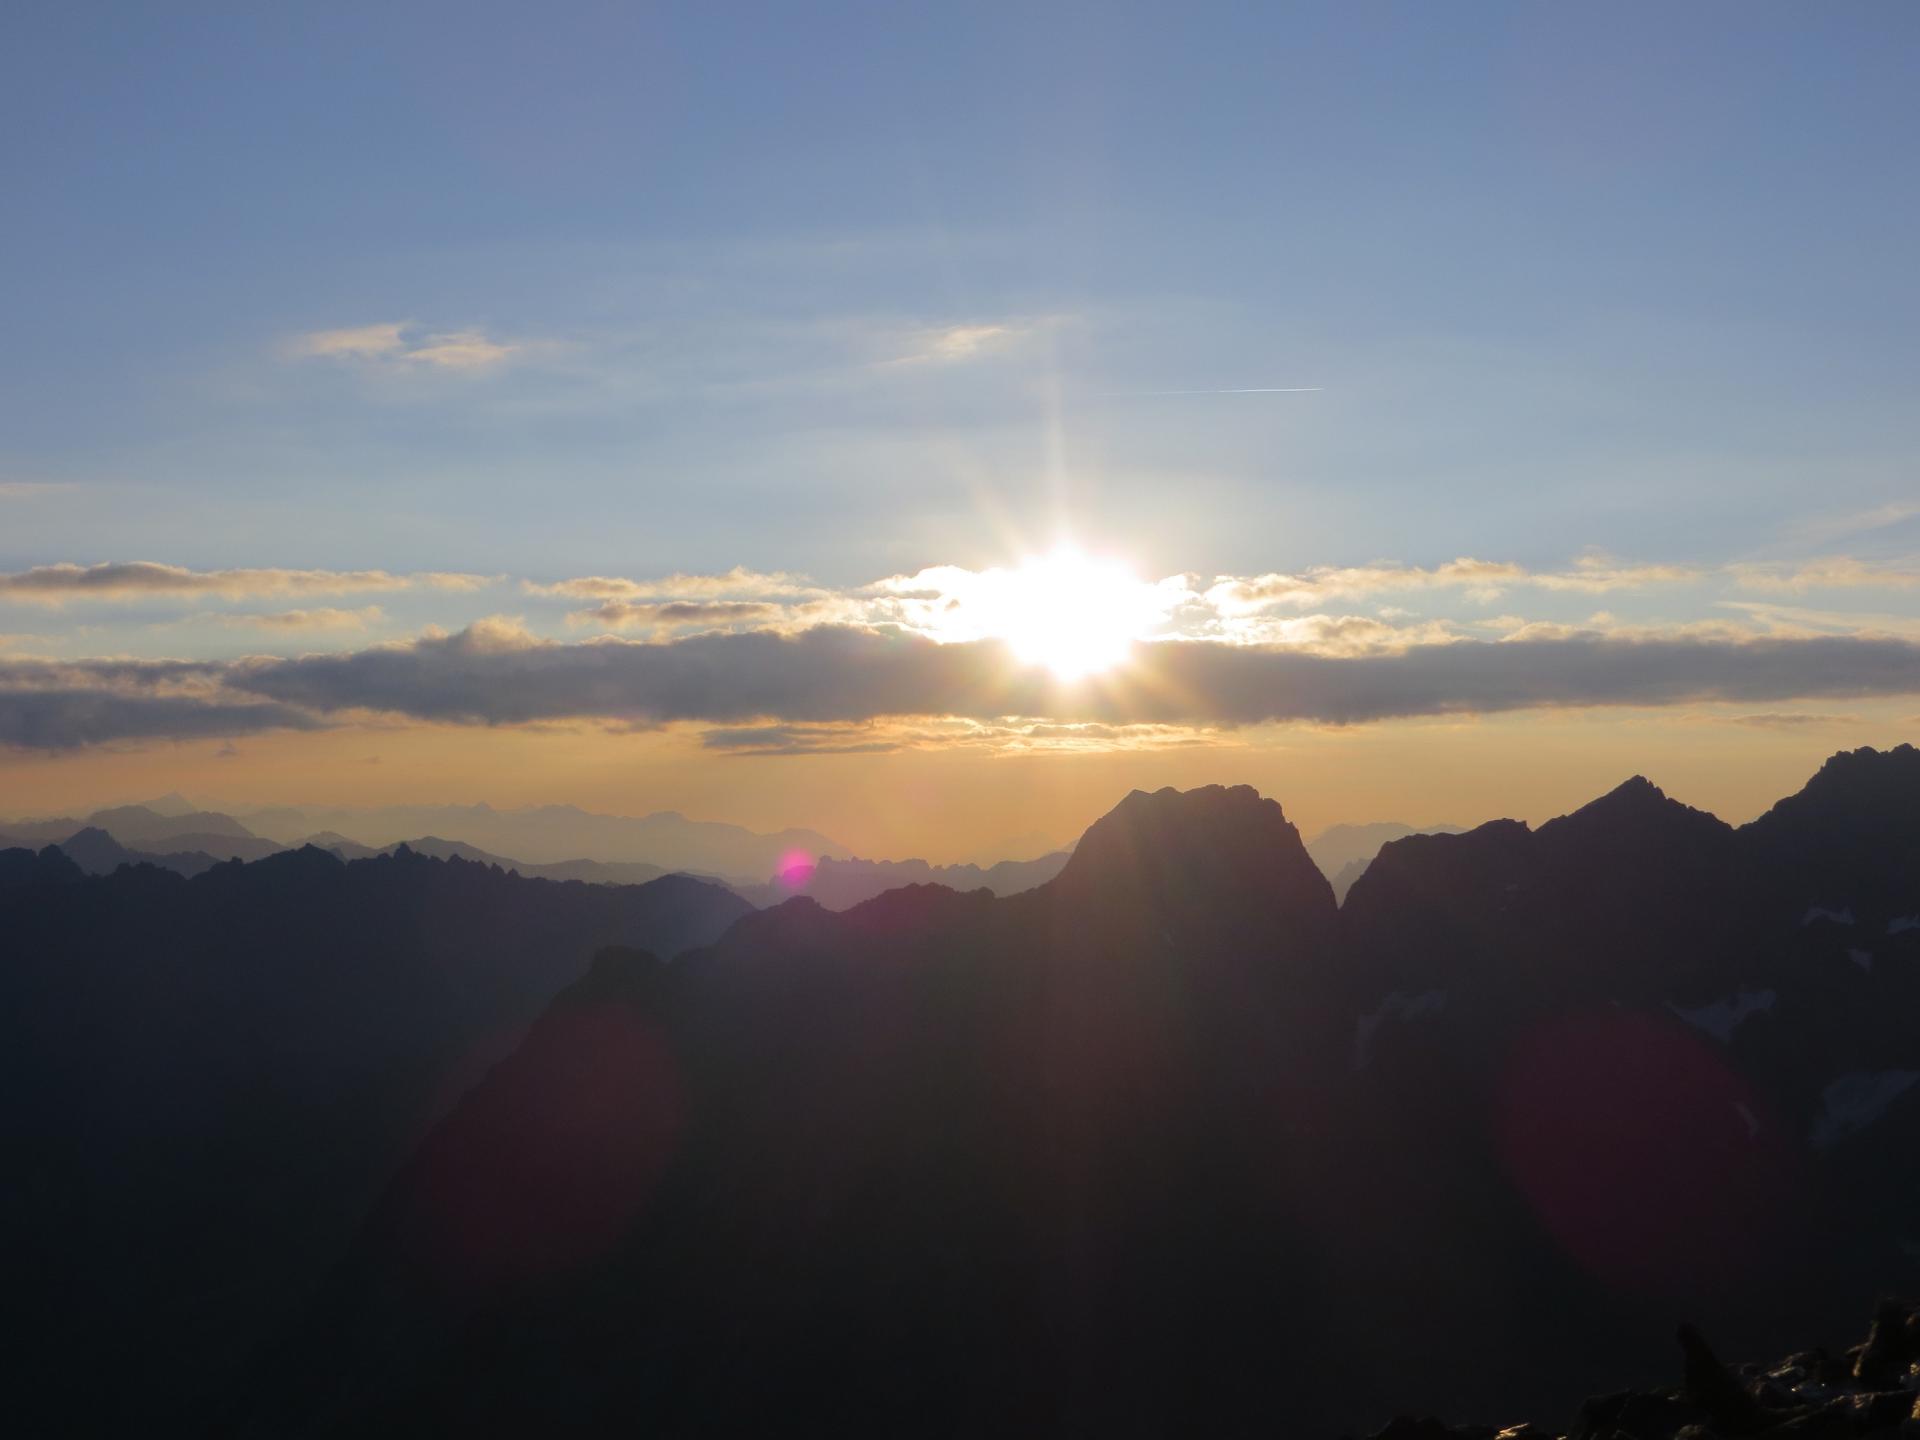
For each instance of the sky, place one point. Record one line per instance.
(926, 424)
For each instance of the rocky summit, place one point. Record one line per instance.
(1867, 1391)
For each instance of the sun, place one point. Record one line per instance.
(1074, 615)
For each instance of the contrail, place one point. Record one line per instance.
(1250, 390)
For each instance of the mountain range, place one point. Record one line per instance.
(1170, 1142)
(204, 1083)
(553, 834)
(1343, 852)
(842, 884)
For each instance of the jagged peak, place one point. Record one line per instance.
(1852, 786)
(1637, 802)
(1229, 832)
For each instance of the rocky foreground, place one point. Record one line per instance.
(1869, 1392)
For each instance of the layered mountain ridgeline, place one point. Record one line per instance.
(1343, 852)
(187, 841)
(1171, 1143)
(592, 872)
(179, 839)
(1870, 1390)
(842, 884)
(557, 834)
(204, 1083)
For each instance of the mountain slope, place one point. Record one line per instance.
(1170, 1143)
(204, 1082)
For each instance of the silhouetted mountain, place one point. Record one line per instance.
(1171, 1144)
(592, 872)
(173, 805)
(560, 834)
(149, 832)
(23, 868)
(337, 844)
(842, 884)
(98, 853)
(1343, 852)
(137, 825)
(204, 1083)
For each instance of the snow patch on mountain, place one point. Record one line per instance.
(1400, 1005)
(1834, 917)
(1724, 1016)
(1856, 1100)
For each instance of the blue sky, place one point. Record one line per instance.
(598, 303)
(1632, 277)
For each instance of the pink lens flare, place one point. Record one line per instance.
(794, 870)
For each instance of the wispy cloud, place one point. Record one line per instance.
(953, 344)
(1831, 572)
(627, 614)
(403, 343)
(737, 583)
(1825, 529)
(136, 579)
(364, 618)
(1788, 720)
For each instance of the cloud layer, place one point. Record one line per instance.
(140, 579)
(495, 673)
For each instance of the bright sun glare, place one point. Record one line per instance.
(1072, 614)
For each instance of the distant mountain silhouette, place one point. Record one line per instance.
(173, 805)
(1172, 1145)
(592, 872)
(149, 832)
(98, 853)
(1343, 852)
(842, 884)
(559, 834)
(204, 1083)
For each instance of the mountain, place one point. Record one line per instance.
(140, 828)
(558, 834)
(842, 884)
(98, 853)
(173, 805)
(1171, 1143)
(592, 872)
(205, 1082)
(1343, 852)
(137, 825)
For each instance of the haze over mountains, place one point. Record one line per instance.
(173, 833)
(1167, 1142)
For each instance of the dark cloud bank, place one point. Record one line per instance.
(490, 674)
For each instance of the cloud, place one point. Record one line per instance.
(737, 583)
(1824, 529)
(138, 579)
(1483, 580)
(1832, 572)
(58, 719)
(30, 489)
(626, 614)
(400, 343)
(496, 673)
(1787, 720)
(952, 344)
(795, 740)
(320, 619)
